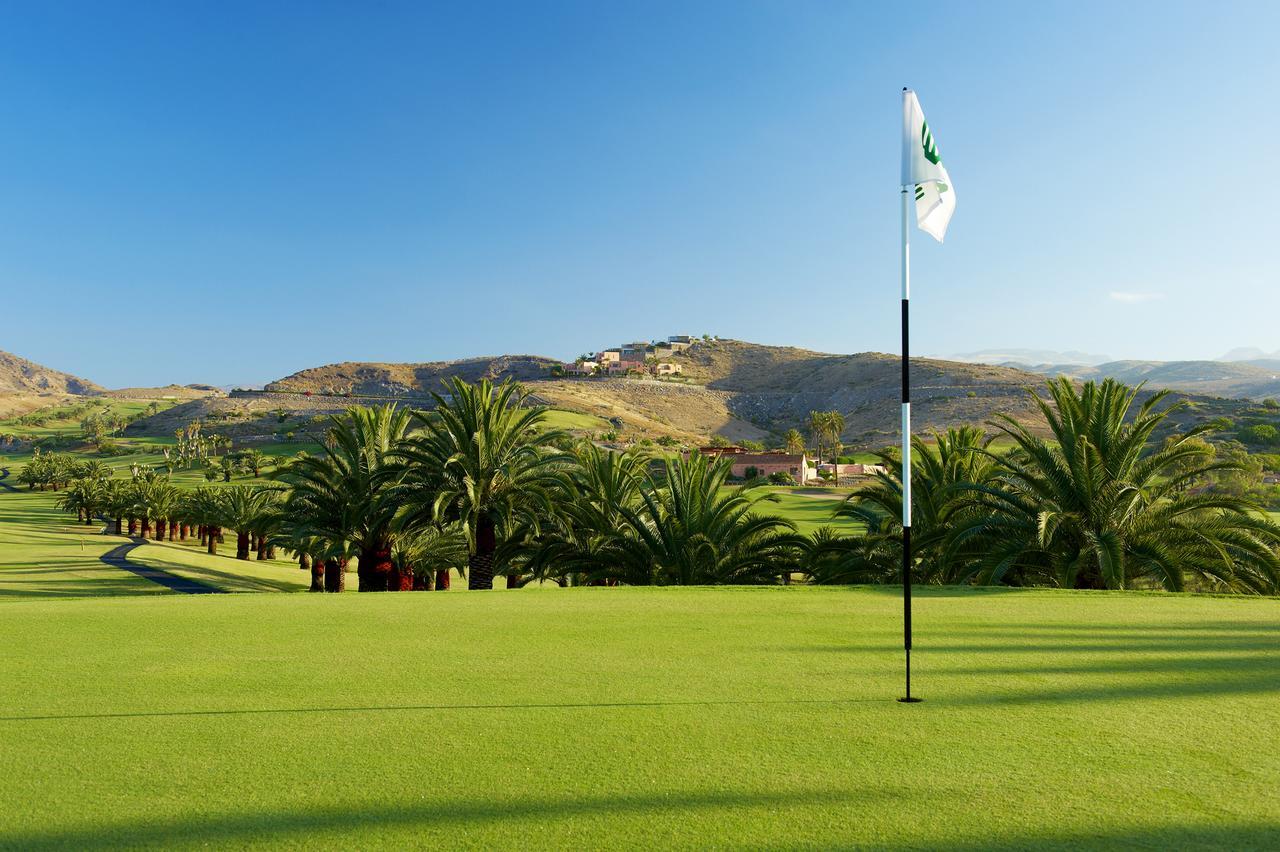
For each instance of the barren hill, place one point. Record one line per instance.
(20, 376)
(409, 379)
(732, 388)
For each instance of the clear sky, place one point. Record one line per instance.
(228, 192)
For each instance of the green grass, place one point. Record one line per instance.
(45, 553)
(64, 422)
(809, 508)
(558, 418)
(637, 718)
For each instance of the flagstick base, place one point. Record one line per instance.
(909, 698)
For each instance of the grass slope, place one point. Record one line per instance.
(640, 717)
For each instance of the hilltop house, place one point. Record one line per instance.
(581, 368)
(667, 368)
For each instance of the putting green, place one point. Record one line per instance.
(640, 717)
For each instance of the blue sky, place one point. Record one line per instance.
(230, 192)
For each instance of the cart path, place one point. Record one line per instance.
(118, 558)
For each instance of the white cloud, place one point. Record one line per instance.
(1130, 298)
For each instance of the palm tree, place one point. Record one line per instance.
(346, 495)
(834, 423)
(481, 460)
(942, 475)
(794, 442)
(690, 528)
(1102, 506)
(241, 507)
(583, 536)
(818, 429)
(157, 501)
(428, 554)
(205, 507)
(85, 497)
(253, 459)
(118, 502)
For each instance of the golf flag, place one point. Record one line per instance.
(922, 168)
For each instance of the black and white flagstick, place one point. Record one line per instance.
(906, 436)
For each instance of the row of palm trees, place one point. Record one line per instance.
(480, 482)
(1096, 503)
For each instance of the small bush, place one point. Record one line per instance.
(780, 478)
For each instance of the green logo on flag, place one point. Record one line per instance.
(930, 147)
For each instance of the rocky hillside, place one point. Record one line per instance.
(732, 388)
(20, 376)
(409, 379)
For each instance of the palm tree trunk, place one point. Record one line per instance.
(261, 541)
(146, 528)
(375, 567)
(304, 562)
(402, 580)
(184, 530)
(119, 525)
(317, 569)
(423, 581)
(480, 563)
(443, 578)
(242, 545)
(335, 575)
(133, 527)
(173, 531)
(213, 541)
(160, 526)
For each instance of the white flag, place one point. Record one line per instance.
(922, 168)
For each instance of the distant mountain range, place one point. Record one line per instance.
(1251, 354)
(1030, 356)
(1236, 380)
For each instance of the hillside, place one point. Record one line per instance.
(20, 376)
(1237, 379)
(409, 379)
(731, 388)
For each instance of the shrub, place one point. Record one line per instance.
(751, 473)
(1263, 434)
(1271, 403)
(780, 478)
(752, 446)
(667, 441)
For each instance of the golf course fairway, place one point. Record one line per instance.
(638, 717)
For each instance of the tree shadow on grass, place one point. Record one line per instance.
(1240, 837)
(399, 708)
(1099, 662)
(239, 829)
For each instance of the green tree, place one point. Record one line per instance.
(690, 528)
(941, 475)
(346, 495)
(483, 460)
(1100, 506)
(794, 442)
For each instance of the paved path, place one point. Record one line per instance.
(118, 558)
(4, 474)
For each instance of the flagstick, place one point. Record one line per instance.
(906, 444)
